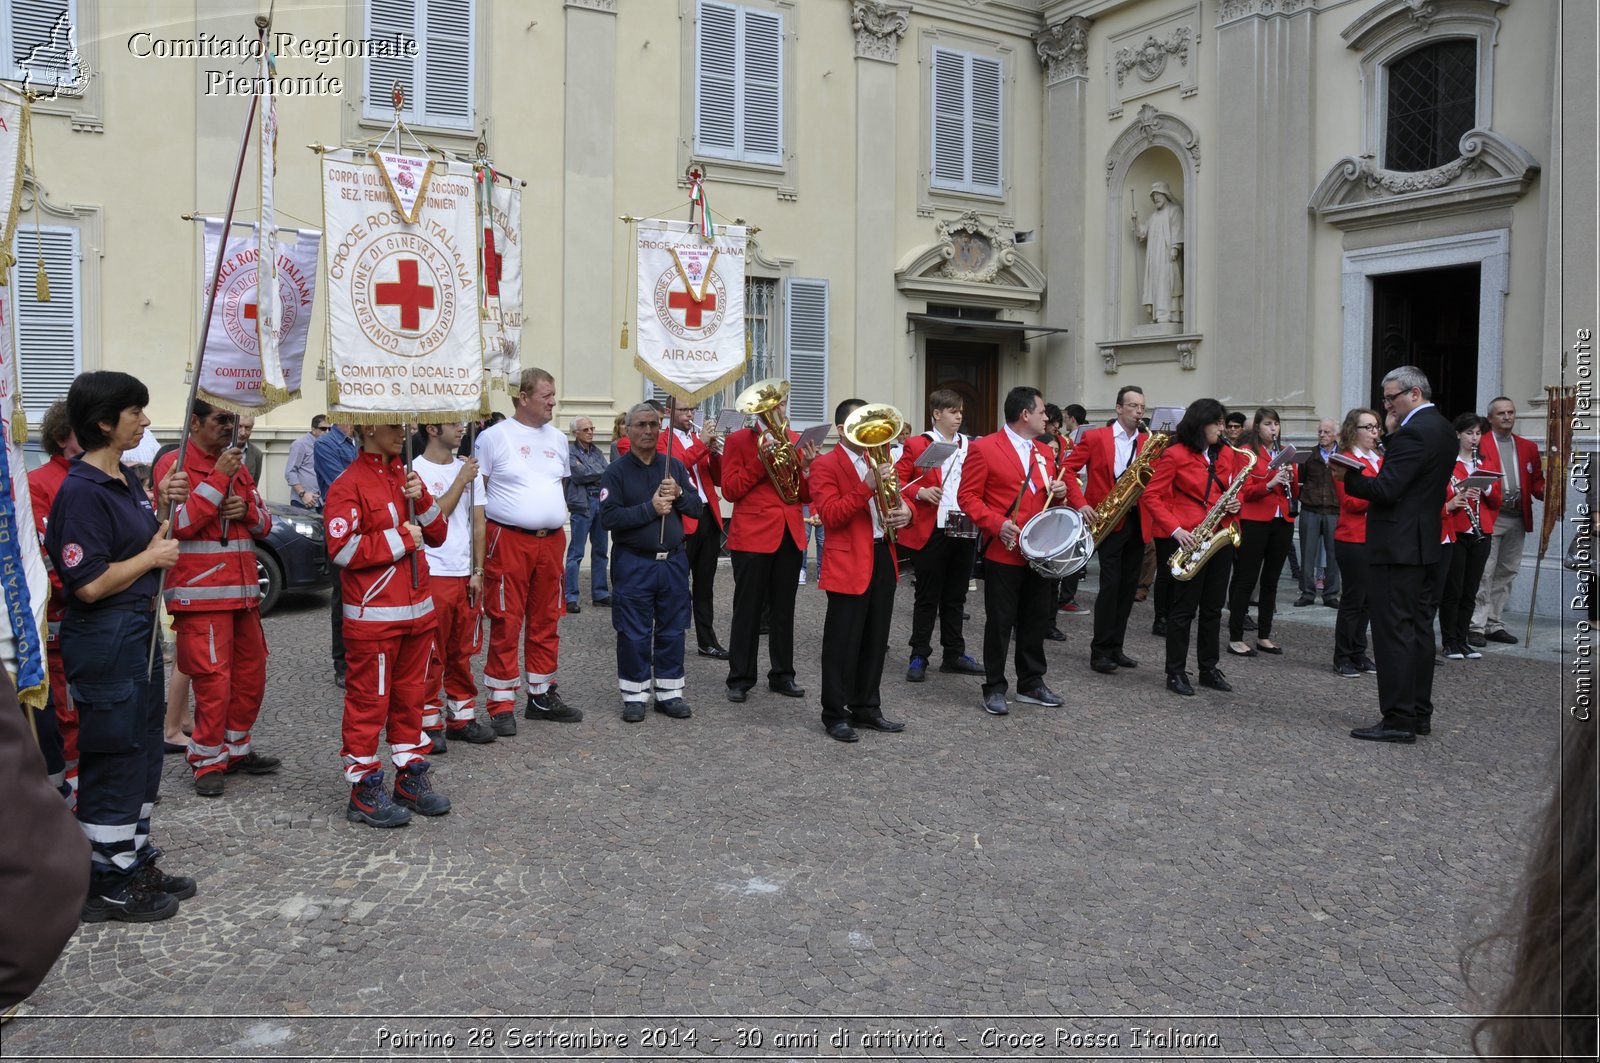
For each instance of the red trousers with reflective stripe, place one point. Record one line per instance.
(523, 586)
(66, 715)
(384, 689)
(224, 654)
(450, 665)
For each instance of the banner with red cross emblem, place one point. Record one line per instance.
(691, 307)
(404, 341)
(233, 374)
(500, 265)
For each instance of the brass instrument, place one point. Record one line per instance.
(873, 428)
(764, 400)
(1129, 486)
(1187, 561)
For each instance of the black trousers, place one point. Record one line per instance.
(336, 613)
(1015, 597)
(1161, 593)
(1263, 548)
(1350, 628)
(1121, 556)
(702, 549)
(1468, 557)
(943, 566)
(758, 580)
(1203, 597)
(855, 642)
(1402, 599)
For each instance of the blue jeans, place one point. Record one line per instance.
(586, 526)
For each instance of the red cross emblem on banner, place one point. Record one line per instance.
(408, 294)
(250, 311)
(691, 309)
(493, 263)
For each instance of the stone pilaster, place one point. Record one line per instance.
(1064, 52)
(878, 28)
(589, 320)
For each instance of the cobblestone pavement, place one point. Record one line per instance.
(1133, 859)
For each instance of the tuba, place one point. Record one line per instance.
(1129, 486)
(1187, 561)
(764, 401)
(873, 428)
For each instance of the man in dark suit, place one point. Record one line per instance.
(1405, 500)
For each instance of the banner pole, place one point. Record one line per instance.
(262, 23)
(411, 508)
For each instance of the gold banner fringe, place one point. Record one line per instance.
(338, 416)
(677, 391)
(249, 411)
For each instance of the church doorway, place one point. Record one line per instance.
(969, 369)
(1429, 319)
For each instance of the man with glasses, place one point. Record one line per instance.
(1524, 482)
(302, 468)
(1319, 518)
(583, 502)
(1404, 528)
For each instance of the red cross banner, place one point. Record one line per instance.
(404, 339)
(233, 373)
(500, 258)
(691, 307)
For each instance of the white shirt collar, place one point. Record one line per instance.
(1407, 419)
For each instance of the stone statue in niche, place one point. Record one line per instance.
(1162, 236)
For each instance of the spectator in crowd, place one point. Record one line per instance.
(332, 454)
(583, 503)
(1319, 518)
(301, 473)
(1518, 459)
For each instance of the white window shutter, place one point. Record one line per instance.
(48, 335)
(761, 111)
(387, 19)
(39, 38)
(985, 128)
(447, 63)
(806, 350)
(716, 80)
(949, 118)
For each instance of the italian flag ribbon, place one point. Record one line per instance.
(697, 198)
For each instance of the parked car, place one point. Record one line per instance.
(293, 556)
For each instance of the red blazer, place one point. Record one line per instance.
(705, 466)
(924, 515)
(1258, 503)
(760, 515)
(43, 483)
(1488, 504)
(843, 500)
(1182, 490)
(1352, 526)
(1530, 471)
(1098, 451)
(990, 479)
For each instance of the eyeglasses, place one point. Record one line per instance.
(1388, 399)
(1366, 428)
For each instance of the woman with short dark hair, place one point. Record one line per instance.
(1470, 515)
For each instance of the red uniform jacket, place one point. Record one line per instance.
(843, 500)
(1488, 504)
(1259, 503)
(924, 515)
(990, 480)
(211, 575)
(1183, 490)
(363, 513)
(706, 466)
(1098, 451)
(760, 516)
(1352, 526)
(1530, 472)
(43, 483)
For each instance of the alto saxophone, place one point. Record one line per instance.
(1187, 561)
(1129, 486)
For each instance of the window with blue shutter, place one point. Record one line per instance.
(967, 122)
(438, 80)
(48, 336)
(738, 83)
(806, 349)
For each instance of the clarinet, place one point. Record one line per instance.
(1474, 517)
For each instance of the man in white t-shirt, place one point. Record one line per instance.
(455, 580)
(519, 523)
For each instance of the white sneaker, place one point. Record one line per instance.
(802, 577)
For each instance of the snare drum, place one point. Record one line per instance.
(1056, 542)
(959, 526)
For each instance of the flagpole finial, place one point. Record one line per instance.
(398, 95)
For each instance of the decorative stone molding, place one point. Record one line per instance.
(1491, 171)
(1064, 50)
(879, 27)
(1149, 59)
(1234, 10)
(974, 263)
(1114, 354)
(1153, 127)
(605, 7)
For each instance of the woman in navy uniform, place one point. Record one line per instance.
(107, 545)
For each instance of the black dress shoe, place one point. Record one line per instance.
(787, 689)
(1178, 683)
(1159, 627)
(1055, 634)
(1380, 733)
(1269, 649)
(1122, 660)
(574, 607)
(1303, 600)
(714, 652)
(1502, 636)
(1247, 652)
(879, 723)
(1348, 670)
(1422, 727)
(1103, 665)
(737, 696)
(1213, 678)
(842, 732)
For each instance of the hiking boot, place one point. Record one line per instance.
(438, 745)
(369, 804)
(504, 724)
(253, 763)
(632, 712)
(414, 790)
(209, 784)
(549, 706)
(476, 733)
(128, 902)
(676, 708)
(152, 879)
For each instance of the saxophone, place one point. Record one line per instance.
(1129, 486)
(1187, 561)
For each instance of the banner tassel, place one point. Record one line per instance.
(623, 342)
(19, 421)
(41, 283)
(188, 373)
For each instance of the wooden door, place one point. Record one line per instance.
(972, 371)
